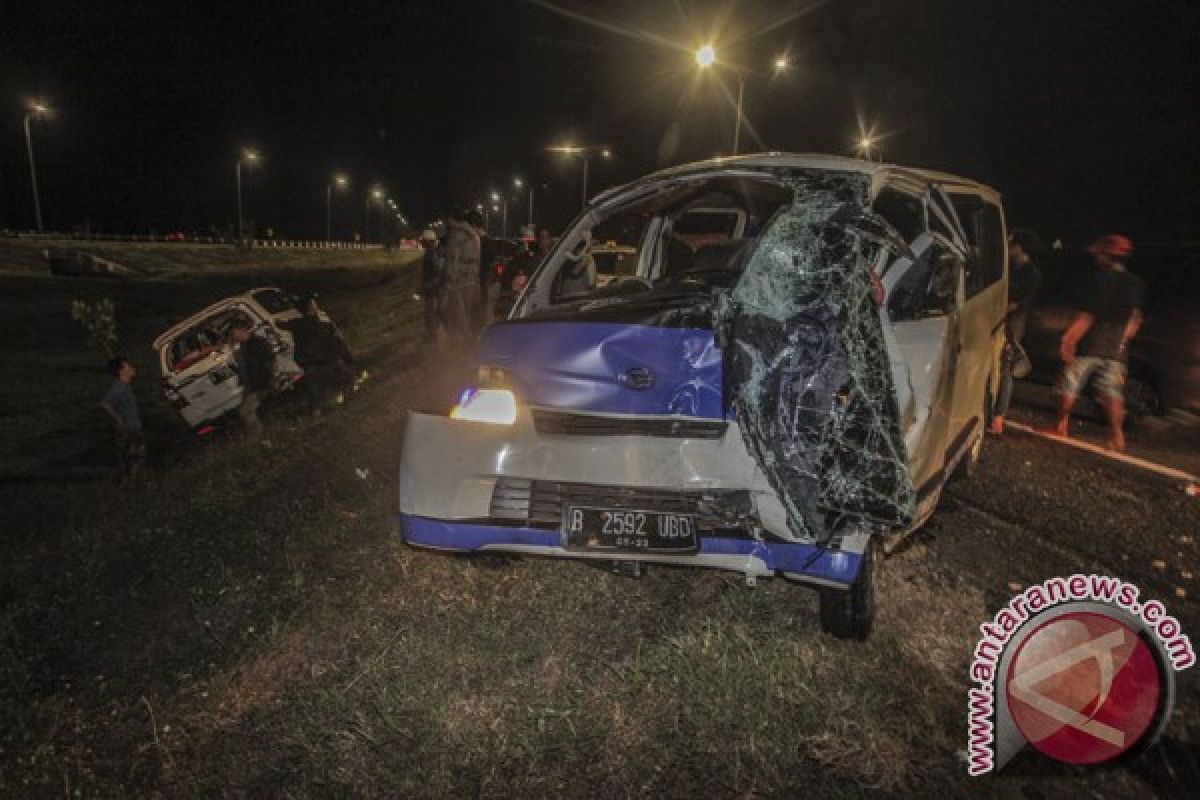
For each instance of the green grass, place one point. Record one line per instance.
(25, 256)
(249, 624)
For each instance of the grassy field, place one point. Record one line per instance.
(247, 624)
(25, 256)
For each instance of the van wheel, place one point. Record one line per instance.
(848, 613)
(970, 460)
(967, 464)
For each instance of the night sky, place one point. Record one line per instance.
(1084, 114)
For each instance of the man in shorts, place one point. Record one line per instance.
(1095, 341)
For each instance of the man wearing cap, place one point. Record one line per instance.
(1095, 341)
(431, 283)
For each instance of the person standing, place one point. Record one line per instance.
(256, 372)
(322, 353)
(431, 284)
(487, 258)
(1024, 280)
(121, 405)
(1096, 340)
(459, 296)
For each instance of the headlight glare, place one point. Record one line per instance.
(494, 406)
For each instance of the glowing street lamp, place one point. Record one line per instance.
(706, 56)
(584, 153)
(247, 157)
(868, 144)
(36, 108)
(341, 182)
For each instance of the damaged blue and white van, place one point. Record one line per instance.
(807, 352)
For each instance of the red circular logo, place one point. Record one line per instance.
(1083, 688)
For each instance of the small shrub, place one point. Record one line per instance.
(99, 319)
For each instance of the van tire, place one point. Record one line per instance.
(966, 466)
(849, 613)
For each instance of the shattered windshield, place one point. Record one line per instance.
(806, 364)
(680, 242)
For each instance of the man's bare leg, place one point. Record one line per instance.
(1114, 409)
(1061, 426)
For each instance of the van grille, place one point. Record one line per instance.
(539, 504)
(558, 422)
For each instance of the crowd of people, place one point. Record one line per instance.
(460, 286)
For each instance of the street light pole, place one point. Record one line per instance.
(340, 180)
(328, 213)
(251, 156)
(36, 108)
(238, 173)
(706, 57)
(583, 199)
(737, 125)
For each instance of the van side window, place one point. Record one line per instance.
(984, 228)
(903, 211)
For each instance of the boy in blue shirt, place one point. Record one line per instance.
(122, 407)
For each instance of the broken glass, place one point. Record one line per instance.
(807, 367)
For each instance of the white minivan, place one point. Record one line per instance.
(806, 352)
(196, 356)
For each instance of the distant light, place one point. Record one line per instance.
(518, 183)
(495, 208)
(866, 142)
(495, 197)
(706, 56)
(781, 63)
(38, 107)
(606, 153)
(250, 155)
(377, 193)
(340, 180)
(567, 149)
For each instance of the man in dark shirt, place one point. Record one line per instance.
(1096, 339)
(122, 406)
(431, 284)
(487, 276)
(256, 371)
(1024, 279)
(322, 353)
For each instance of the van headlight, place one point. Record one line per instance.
(496, 406)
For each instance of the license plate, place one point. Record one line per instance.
(629, 530)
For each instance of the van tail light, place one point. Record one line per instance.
(206, 430)
(499, 267)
